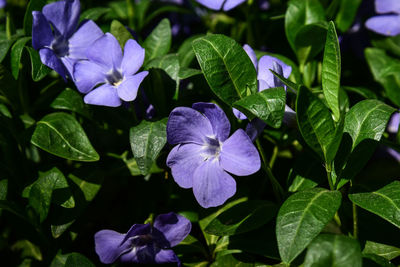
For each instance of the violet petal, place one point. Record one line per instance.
(88, 74)
(106, 51)
(133, 57)
(128, 89)
(63, 15)
(174, 227)
(105, 95)
(42, 35)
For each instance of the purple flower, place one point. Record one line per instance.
(55, 35)
(113, 71)
(204, 154)
(388, 24)
(3, 3)
(226, 5)
(393, 125)
(144, 243)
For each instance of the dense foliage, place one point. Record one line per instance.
(200, 132)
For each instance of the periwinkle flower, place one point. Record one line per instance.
(226, 5)
(3, 3)
(55, 35)
(204, 154)
(113, 70)
(144, 243)
(388, 24)
(393, 124)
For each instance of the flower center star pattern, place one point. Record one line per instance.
(204, 154)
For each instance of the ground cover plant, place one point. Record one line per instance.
(200, 133)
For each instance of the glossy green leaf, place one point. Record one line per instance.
(309, 41)
(367, 120)
(39, 70)
(347, 13)
(300, 13)
(333, 250)
(268, 105)
(384, 202)
(316, 125)
(120, 32)
(78, 260)
(169, 63)
(89, 188)
(383, 250)
(60, 134)
(147, 139)
(16, 53)
(70, 99)
(242, 218)
(302, 217)
(51, 186)
(158, 43)
(331, 70)
(226, 67)
(94, 13)
(185, 73)
(4, 47)
(185, 51)
(33, 5)
(287, 82)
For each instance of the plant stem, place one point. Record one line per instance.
(328, 168)
(355, 222)
(277, 188)
(273, 157)
(131, 13)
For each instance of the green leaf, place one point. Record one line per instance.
(33, 5)
(158, 43)
(362, 91)
(60, 134)
(39, 70)
(169, 63)
(384, 202)
(78, 260)
(268, 105)
(287, 82)
(26, 249)
(70, 99)
(302, 217)
(120, 32)
(316, 125)
(94, 13)
(370, 260)
(133, 168)
(4, 47)
(147, 139)
(390, 44)
(300, 13)
(333, 250)
(9, 87)
(385, 251)
(51, 186)
(310, 40)
(347, 13)
(185, 73)
(367, 120)
(331, 68)
(226, 67)
(242, 218)
(89, 188)
(185, 51)
(16, 53)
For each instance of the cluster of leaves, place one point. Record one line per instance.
(327, 194)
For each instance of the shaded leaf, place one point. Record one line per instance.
(385, 251)
(16, 53)
(70, 99)
(158, 43)
(39, 70)
(78, 260)
(120, 32)
(33, 5)
(94, 13)
(347, 13)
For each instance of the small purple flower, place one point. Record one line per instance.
(393, 125)
(144, 243)
(113, 71)
(3, 3)
(55, 35)
(388, 24)
(204, 154)
(226, 5)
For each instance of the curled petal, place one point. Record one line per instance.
(239, 156)
(166, 256)
(173, 226)
(109, 245)
(251, 54)
(238, 114)
(217, 118)
(83, 38)
(187, 125)
(393, 125)
(212, 186)
(88, 74)
(106, 51)
(105, 95)
(183, 161)
(50, 59)
(64, 16)
(145, 254)
(388, 25)
(133, 57)
(264, 74)
(230, 4)
(42, 35)
(128, 89)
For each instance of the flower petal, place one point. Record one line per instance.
(238, 114)
(238, 155)
(41, 31)
(106, 51)
(138, 229)
(109, 245)
(252, 55)
(50, 59)
(289, 117)
(68, 65)
(88, 74)
(105, 95)
(183, 161)
(229, 4)
(393, 125)
(63, 15)
(388, 25)
(212, 4)
(217, 117)
(173, 226)
(212, 186)
(133, 57)
(166, 256)
(254, 128)
(83, 38)
(142, 254)
(128, 89)
(264, 74)
(387, 6)
(187, 125)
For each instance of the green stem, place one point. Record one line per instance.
(273, 157)
(131, 13)
(328, 168)
(277, 188)
(355, 221)
(9, 26)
